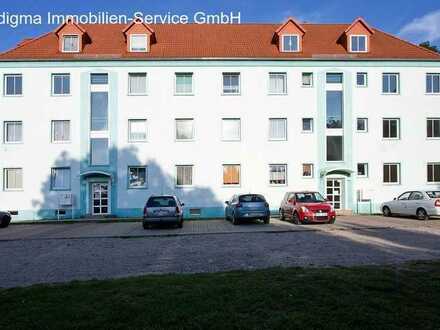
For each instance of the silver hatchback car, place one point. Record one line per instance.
(164, 209)
(420, 203)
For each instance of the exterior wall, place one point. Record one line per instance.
(36, 155)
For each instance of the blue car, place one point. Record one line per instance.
(247, 206)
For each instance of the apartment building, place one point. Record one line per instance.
(96, 118)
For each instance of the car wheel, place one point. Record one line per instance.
(266, 220)
(386, 211)
(282, 217)
(295, 219)
(5, 221)
(421, 214)
(235, 220)
(332, 221)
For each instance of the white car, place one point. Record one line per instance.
(420, 203)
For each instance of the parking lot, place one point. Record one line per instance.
(41, 253)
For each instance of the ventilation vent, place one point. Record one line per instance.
(195, 212)
(60, 212)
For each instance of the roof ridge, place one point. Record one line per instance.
(25, 43)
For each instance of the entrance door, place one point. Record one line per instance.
(100, 198)
(335, 193)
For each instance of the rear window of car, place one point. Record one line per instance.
(252, 198)
(312, 197)
(161, 202)
(433, 194)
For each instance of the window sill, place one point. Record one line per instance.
(184, 94)
(277, 94)
(137, 94)
(433, 183)
(307, 86)
(137, 188)
(306, 132)
(60, 95)
(362, 176)
(390, 94)
(230, 94)
(433, 138)
(231, 185)
(13, 143)
(13, 190)
(61, 142)
(13, 95)
(183, 186)
(361, 86)
(361, 131)
(432, 94)
(277, 140)
(391, 139)
(184, 140)
(277, 185)
(391, 183)
(307, 177)
(231, 140)
(137, 141)
(60, 189)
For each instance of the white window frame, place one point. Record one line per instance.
(389, 125)
(358, 36)
(432, 119)
(366, 170)
(77, 43)
(365, 74)
(239, 83)
(129, 92)
(312, 171)
(284, 74)
(5, 87)
(129, 130)
(283, 49)
(144, 35)
(285, 129)
(426, 82)
(193, 129)
(398, 182)
(239, 130)
(5, 188)
(397, 82)
(52, 188)
(52, 132)
(285, 174)
(192, 176)
(5, 131)
(433, 164)
(145, 186)
(175, 84)
(53, 84)
(302, 79)
(366, 125)
(311, 125)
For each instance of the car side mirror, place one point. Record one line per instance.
(394, 198)
(227, 202)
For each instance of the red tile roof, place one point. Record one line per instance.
(256, 41)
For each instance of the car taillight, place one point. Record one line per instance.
(437, 203)
(177, 210)
(266, 204)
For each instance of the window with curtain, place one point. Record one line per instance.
(137, 130)
(277, 83)
(184, 129)
(231, 130)
(184, 175)
(60, 130)
(61, 84)
(60, 178)
(307, 170)
(433, 83)
(307, 79)
(13, 132)
(290, 43)
(231, 174)
(137, 83)
(390, 83)
(278, 174)
(358, 43)
(71, 43)
(13, 178)
(231, 83)
(278, 129)
(184, 83)
(138, 42)
(13, 84)
(137, 177)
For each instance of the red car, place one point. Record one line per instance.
(306, 207)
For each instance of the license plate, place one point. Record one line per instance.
(321, 214)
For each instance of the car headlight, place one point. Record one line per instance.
(304, 209)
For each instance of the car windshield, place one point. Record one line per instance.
(252, 198)
(309, 197)
(433, 194)
(161, 202)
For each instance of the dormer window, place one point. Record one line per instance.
(290, 43)
(70, 43)
(138, 42)
(358, 43)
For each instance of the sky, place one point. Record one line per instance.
(415, 21)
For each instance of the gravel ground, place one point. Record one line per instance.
(50, 254)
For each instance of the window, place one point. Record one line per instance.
(184, 83)
(404, 196)
(184, 129)
(334, 109)
(231, 175)
(231, 83)
(60, 178)
(307, 79)
(13, 179)
(99, 151)
(391, 173)
(433, 172)
(361, 79)
(391, 128)
(290, 43)
(137, 177)
(60, 131)
(71, 44)
(277, 83)
(433, 83)
(335, 148)
(13, 132)
(99, 111)
(334, 78)
(307, 125)
(231, 129)
(278, 129)
(390, 83)
(137, 83)
(433, 128)
(307, 170)
(362, 170)
(13, 84)
(99, 78)
(60, 84)
(278, 174)
(358, 44)
(184, 175)
(137, 130)
(138, 43)
(362, 125)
